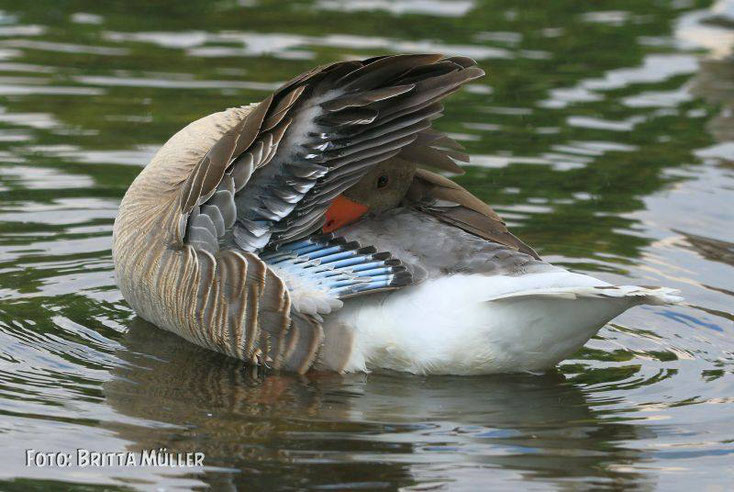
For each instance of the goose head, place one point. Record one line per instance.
(380, 190)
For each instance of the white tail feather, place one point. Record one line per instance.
(646, 295)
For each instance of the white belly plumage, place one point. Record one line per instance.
(478, 324)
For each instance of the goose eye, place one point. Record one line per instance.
(382, 181)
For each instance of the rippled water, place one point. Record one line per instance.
(605, 137)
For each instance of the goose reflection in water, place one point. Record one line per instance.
(377, 430)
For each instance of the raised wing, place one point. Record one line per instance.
(450, 203)
(270, 179)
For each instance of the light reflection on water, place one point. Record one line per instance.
(604, 137)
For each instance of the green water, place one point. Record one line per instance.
(603, 133)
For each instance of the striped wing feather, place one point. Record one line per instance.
(450, 203)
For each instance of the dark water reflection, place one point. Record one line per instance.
(379, 430)
(603, 133)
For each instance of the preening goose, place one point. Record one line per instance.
(305, 231)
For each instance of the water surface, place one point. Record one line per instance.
(603, 133)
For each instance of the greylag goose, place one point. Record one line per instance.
(307, 231)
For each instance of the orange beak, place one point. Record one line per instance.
(342, 211)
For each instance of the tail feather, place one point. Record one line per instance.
(640, 295)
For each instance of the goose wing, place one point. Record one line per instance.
(447, 201)
(273, 176)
